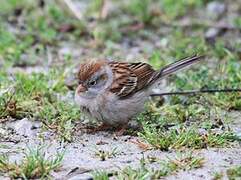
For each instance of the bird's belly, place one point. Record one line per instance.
(113, 111)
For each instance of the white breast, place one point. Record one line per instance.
(111, 110)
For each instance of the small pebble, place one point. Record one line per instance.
(216, 8)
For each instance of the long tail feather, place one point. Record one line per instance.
(178, 65)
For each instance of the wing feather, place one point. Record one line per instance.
(130, 77)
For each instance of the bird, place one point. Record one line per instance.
(113, 92)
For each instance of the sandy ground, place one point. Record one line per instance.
(80, 155)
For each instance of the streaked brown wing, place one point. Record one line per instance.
(144, 73)
(130, 77)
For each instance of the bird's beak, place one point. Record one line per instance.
(81, 88)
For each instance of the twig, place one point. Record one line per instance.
(72, 8)
(104, 9)
(209, 24)
(6, 103)
(51, 127)
(194, 92)
(49, 57)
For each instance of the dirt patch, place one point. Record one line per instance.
(82, 156)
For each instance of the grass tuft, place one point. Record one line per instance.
(100, 175)
(234, 173)
(34, 165)
(185, 138)
(167, 167)
(104, 155)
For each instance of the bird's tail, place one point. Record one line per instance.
(178, 65)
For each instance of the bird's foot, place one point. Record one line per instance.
(121, 131)
(102, 127)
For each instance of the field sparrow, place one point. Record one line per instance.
(114, 92)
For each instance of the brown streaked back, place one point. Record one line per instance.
(130, 77)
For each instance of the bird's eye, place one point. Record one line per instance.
(92, 83)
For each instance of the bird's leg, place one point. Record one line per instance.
(102, 127)
(121, 130)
